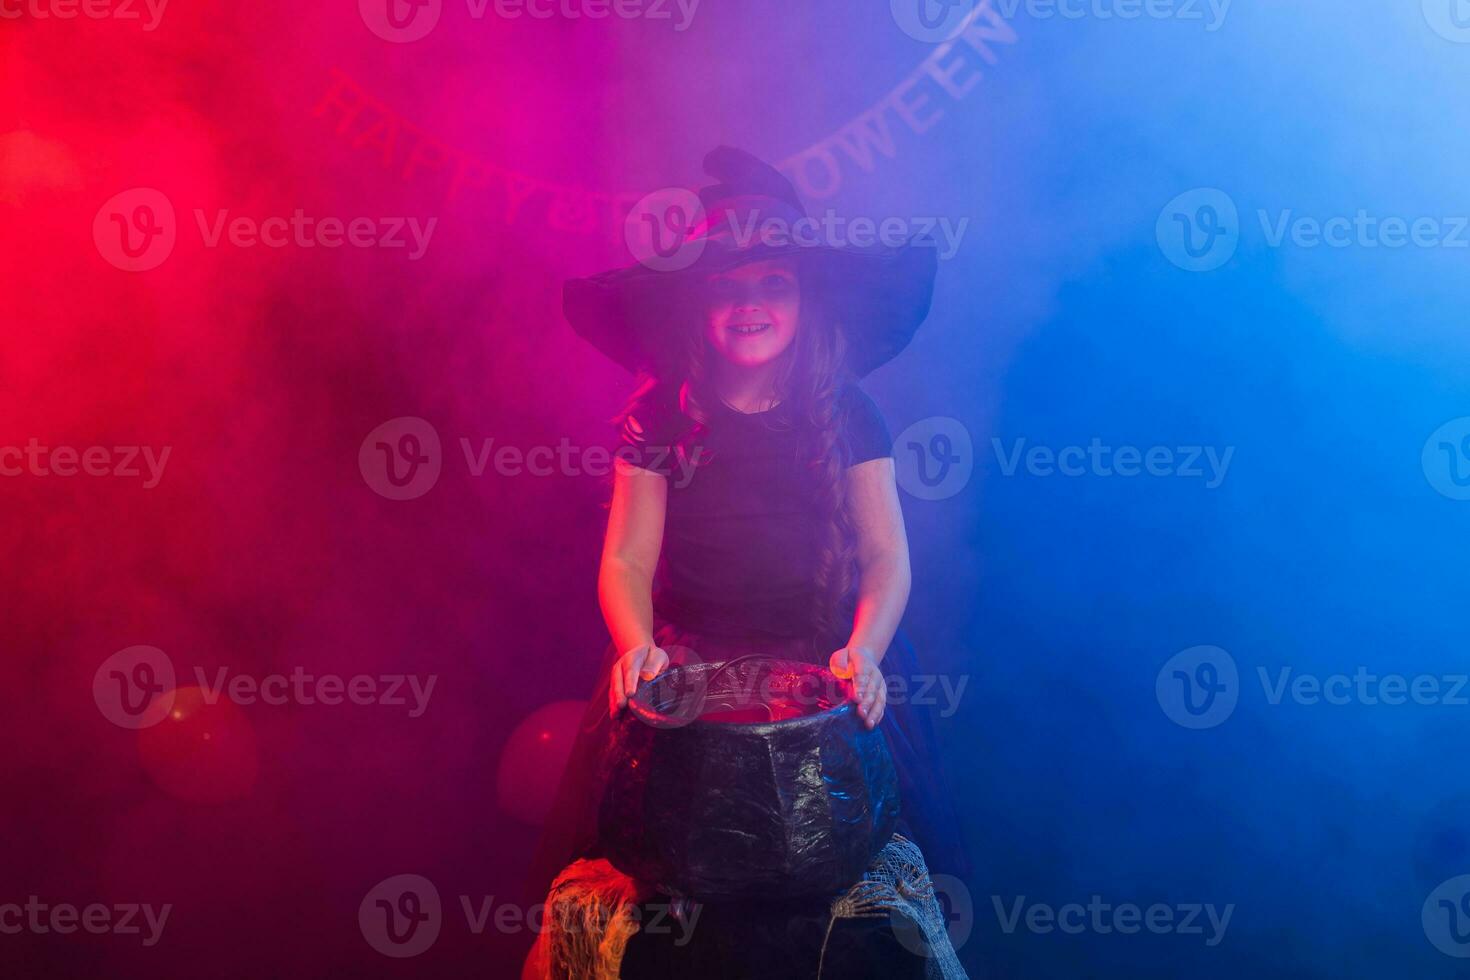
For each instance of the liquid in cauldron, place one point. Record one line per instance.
(776, 709)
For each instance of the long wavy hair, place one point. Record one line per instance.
(809, 383)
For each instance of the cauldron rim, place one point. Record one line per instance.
(639, 707)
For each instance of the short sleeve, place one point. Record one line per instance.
(650, 429)
(864, 429)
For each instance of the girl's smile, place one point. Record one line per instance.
(753, 312)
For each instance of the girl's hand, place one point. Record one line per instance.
(869, 689)
(645, 662)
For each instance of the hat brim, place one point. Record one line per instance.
(879, 294)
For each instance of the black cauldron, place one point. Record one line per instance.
(754, 778)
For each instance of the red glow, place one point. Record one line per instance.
(201, 752)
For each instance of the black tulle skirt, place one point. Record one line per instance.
(928, 811)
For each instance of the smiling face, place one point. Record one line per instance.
(752, 312)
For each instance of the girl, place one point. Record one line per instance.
(756, 479)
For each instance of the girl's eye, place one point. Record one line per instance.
(721, 288)
(777, 284)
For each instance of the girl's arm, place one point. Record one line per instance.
(883, 581)
(635, 529)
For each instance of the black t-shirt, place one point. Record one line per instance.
(742, 530)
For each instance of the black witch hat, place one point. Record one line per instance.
(878, 294)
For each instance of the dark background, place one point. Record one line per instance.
(1062, 319)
